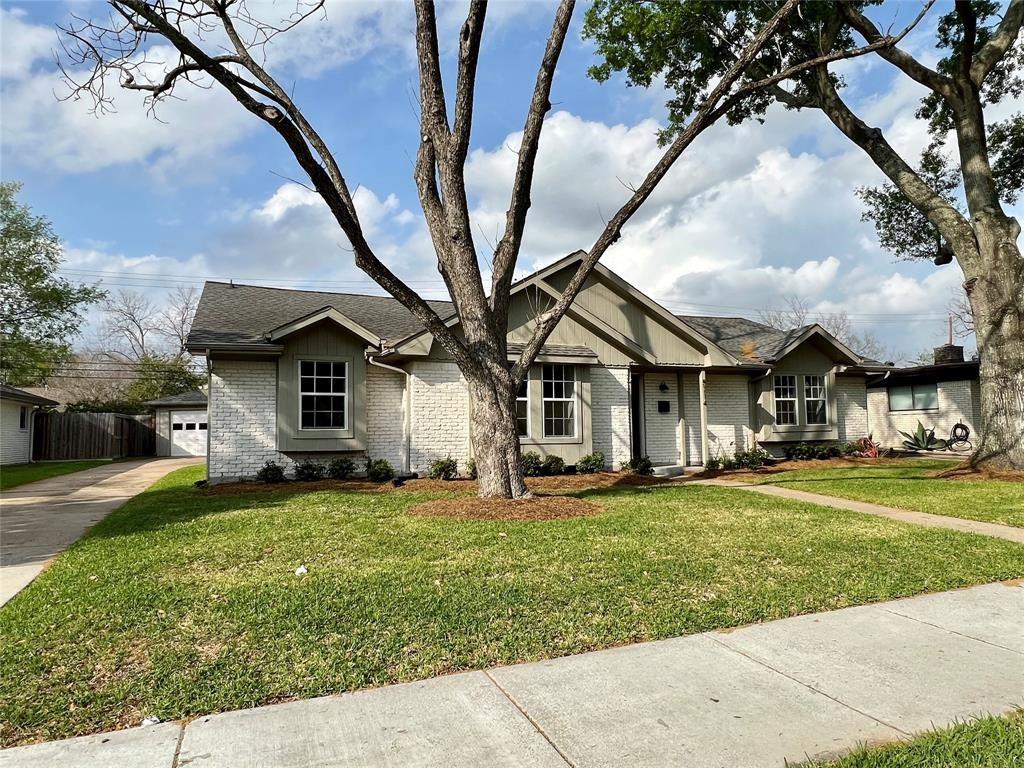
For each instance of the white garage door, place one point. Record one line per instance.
(188, 433)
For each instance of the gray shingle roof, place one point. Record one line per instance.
(738, 336)
(193, 397)
(7, 392)
(244, 314)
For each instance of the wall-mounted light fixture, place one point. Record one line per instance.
(663, 387)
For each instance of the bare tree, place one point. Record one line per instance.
(798, 313)
(175, 319)
(130, 323)
(119, 48)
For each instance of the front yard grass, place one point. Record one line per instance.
(184, 602)
(989, 742)
(911, 484)
(19, 474)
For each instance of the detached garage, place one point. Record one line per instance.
(181, 424)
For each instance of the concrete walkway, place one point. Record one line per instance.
(809, 686)
(1007, 532)
(39, 520)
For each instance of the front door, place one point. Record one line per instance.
(636, 415)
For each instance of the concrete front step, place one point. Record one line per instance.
(669, 470)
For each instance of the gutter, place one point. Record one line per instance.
(406, 409)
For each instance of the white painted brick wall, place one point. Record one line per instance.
(691, 415)
(609, 395)
(440, 414)
(661, 430)
(851, 408)
(959, 401)
(385, 415)
(243, 418)
(728, 414)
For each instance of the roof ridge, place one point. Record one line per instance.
(233, 284)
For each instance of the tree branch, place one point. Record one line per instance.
(1000, 42)
(469, 55)
(507, 250)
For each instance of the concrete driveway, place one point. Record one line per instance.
(39, 520)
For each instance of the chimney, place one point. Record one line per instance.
(949, 353)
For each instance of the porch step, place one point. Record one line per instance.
(669, 470)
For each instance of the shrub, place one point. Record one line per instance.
(471, 469)
(531, 464)
(553, 465)
(307, 469)
(755, 458)
(270, 472)
(713, 463)
(341, 469)
(813, 451)
(443, 469)
(639, 466)
(379, 471)
(729, 463)
(591, 463)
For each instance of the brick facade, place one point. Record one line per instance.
(661, 430)
(243, 418)
(440, 414)
(385, 416)
(609, 393)
(851, 408)
(959, 401)
(729, 421)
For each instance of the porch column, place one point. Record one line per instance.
(682, 419)
(702, 388)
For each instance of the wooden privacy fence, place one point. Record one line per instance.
(92, 436)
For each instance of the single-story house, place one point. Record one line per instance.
(17, 419)
(940, 396)
(180, 422)
(296, 374)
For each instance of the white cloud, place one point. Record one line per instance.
(22, 44)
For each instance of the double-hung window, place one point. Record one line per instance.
(785, 400)
(559, 401)
(914, 397)
(815, 400)
(323, 394)
(523, 408)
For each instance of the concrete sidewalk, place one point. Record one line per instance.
(809, 686)
(39, 520)
(1008, 532)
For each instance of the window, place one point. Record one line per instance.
(323, 394)
(815, 400)
(559, 400)
(202, 425)
(23, 418)
(523, 408)
(177, 426)
(914, 397)
(190, 425)
(785, 400)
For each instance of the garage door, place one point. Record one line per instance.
(188, 433)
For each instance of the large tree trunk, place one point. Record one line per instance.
(997, 302)
(495, 436)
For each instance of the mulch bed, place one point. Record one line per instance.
(532, 509)
(968, 472)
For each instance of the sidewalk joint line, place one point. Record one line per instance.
(532, 722)
(809, 687)
(952, 631)
(177, 747)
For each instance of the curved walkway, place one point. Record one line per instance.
(39, 520)
(1007, 532)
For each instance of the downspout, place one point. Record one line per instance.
(406, 409)
(702, 386)
(209, 414)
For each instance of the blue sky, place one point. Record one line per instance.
(750, 216)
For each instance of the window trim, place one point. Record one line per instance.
(347, 413)
(575, 400)
(529, 409)
(23, 418)
(795, 399)
(913, 404)
(823, 398)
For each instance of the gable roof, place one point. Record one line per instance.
(231, 315)
(7, 392)
(740, 336)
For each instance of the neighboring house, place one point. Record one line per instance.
(181, 424)
(940, 396)
(296, 374)
(17, 420)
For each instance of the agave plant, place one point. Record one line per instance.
(922, 439)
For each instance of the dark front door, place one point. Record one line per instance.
(636, 415)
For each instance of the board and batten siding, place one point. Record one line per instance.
(15, 442)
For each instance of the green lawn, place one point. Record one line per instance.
(909, 484)
(19, 474)
(991, 742)
(183, 603)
